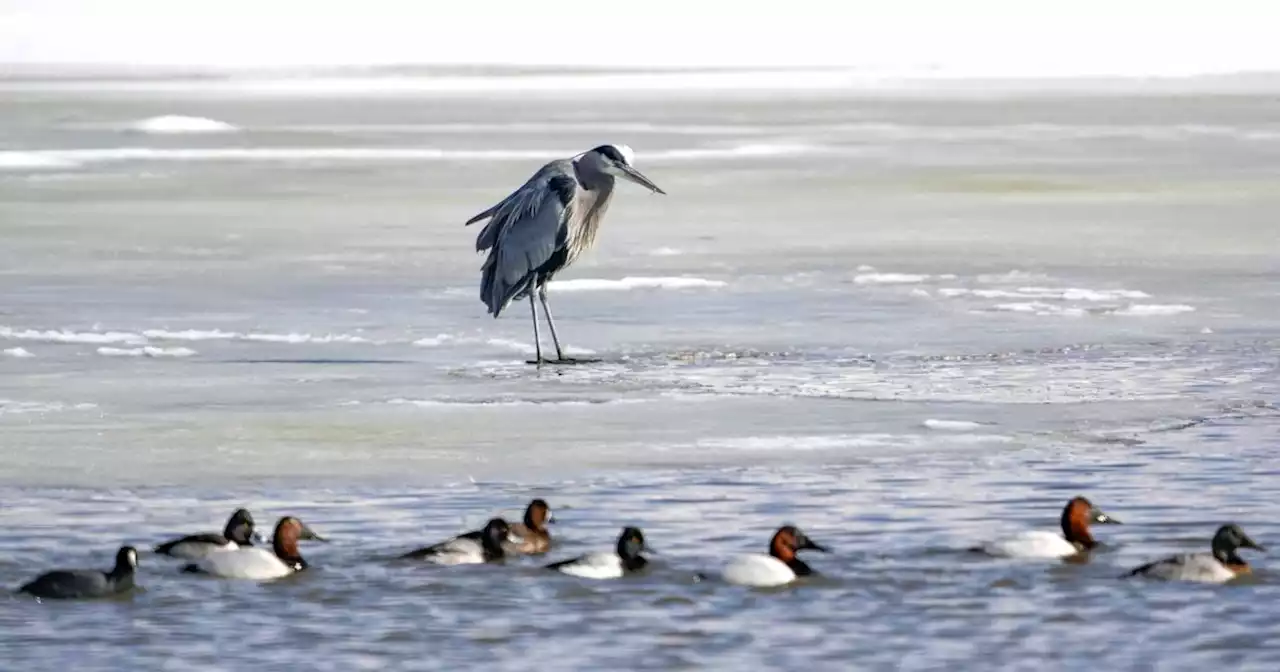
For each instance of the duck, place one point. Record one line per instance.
(261, 564)
(779, 567)
(484, 545)
(238, 532)
(531, 537)
(624, 560)
(1220, 565)
(86, 583)
(1074, 540)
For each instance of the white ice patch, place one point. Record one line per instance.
(62, 336)
(174, 124)
(15, 160)
(665, 252)
(897, 278)
(1154, 309)
(1038, 308)
(1062, 294)
(219, 335)
(952, 425)
(12, 407)
(520, 346)
(601, 284)
(18, 353)
(433, 341)
(146, 351)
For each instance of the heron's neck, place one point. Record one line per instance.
(592, 179)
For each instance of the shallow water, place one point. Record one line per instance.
(905, 325)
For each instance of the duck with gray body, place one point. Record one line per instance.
(238, 533)
(87, 583)
(545, 225)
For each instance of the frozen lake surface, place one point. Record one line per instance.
(906, 324)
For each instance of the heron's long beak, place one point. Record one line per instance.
(639, 178)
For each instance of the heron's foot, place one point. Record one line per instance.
(564, 361)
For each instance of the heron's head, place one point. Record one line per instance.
(617, 160)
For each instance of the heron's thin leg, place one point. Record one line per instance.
(537, 342)
(542, 294)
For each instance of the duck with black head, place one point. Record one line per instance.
(237, 533)
(625, 559)
(87, 583)
(1221, 564)
(1074, 541)
(485, 545)
(260, 564)
(780, 567)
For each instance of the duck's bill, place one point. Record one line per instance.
(1104, 519)
(809, 545)
(639, 178)
(1249, 543)
(310, 535)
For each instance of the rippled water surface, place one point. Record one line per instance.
(905, 325)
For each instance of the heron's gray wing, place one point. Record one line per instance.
(526, 234)
(525, 200)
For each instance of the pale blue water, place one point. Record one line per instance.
(285, 317)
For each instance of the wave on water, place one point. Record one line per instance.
(834, 442)
(629, 283)
(177, 124)
(146, 351)
(18, 353)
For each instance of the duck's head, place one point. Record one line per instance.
(126, 559)
(240, 528)
(538, 515)
(1077, 516)
(1229, 539)
(788, 540)
(631, 543)
(495, 532)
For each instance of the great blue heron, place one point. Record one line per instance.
(545, 225)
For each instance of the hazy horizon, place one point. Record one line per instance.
(920, 38)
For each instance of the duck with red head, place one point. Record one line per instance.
(1075, 539)
(532, 536)
(1221, 564)
(779, 567)
(260, 564)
